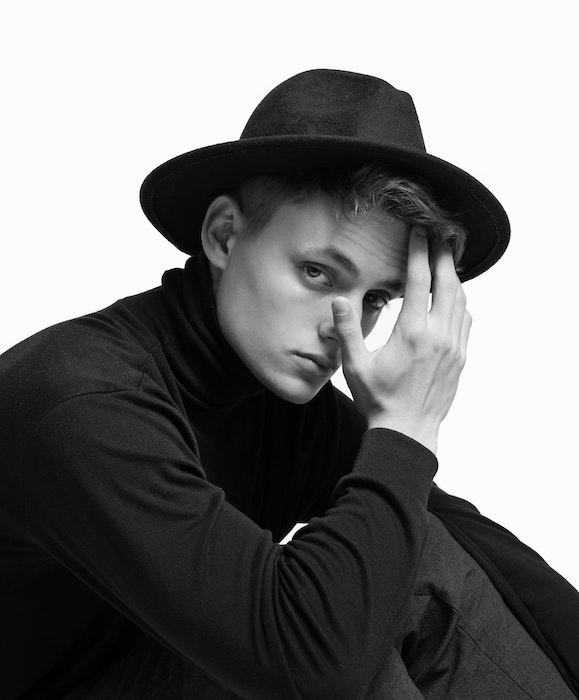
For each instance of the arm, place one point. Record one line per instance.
(115, 492)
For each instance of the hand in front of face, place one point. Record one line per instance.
(409, 384)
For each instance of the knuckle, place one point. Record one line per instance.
(347, 334)
(413, 335)
(421, 279)
(442, 344)
(446, 283)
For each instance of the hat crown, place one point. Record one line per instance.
(323, 119)
(336, 103)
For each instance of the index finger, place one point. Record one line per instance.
(418, 275)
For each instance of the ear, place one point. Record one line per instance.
(222, 226)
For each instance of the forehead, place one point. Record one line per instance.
(365, 246)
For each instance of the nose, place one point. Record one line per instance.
(327, 328)
(328, 331)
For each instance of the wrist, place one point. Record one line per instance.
(422, 431)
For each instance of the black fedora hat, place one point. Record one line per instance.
(323, 118)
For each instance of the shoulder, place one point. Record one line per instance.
(100, 352)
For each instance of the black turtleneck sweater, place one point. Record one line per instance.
(147, 479)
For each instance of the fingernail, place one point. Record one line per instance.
(419, 231)
(340, 307)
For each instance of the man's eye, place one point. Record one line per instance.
(377, 301)
(313, 272)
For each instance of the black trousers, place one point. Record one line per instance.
(459, 641)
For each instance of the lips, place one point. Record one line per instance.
(324, 362)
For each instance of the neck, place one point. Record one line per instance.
(206, 366)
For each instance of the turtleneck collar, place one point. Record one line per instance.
(209, 372)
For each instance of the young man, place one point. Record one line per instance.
(155, 452)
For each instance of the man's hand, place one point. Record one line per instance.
(409, 384)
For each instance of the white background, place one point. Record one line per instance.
(96, 94)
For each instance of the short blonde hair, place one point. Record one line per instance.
(355, 192)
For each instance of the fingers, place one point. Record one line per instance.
(418, 277)
(445, 287)
(349, 331)
(447, 316)
(464, 335)
(459, 313)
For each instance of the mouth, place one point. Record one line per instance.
(322, 365)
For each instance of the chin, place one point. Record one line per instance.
(293, 390)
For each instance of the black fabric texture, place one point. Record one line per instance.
(543, 601)
(147, 478)
(146, 481)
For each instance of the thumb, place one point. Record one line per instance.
(349, 331)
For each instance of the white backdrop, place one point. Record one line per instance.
(96, 94)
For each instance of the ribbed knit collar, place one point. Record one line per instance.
(207, 368)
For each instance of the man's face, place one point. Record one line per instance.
(274, 295)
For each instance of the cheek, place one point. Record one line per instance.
(256, 305)
(265, 304)
(278, 293)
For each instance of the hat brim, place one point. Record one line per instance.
(175, 195)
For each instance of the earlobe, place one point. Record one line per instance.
(222, 226)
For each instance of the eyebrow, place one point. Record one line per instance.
(349, 266)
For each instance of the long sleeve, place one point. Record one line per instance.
(115, 492)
